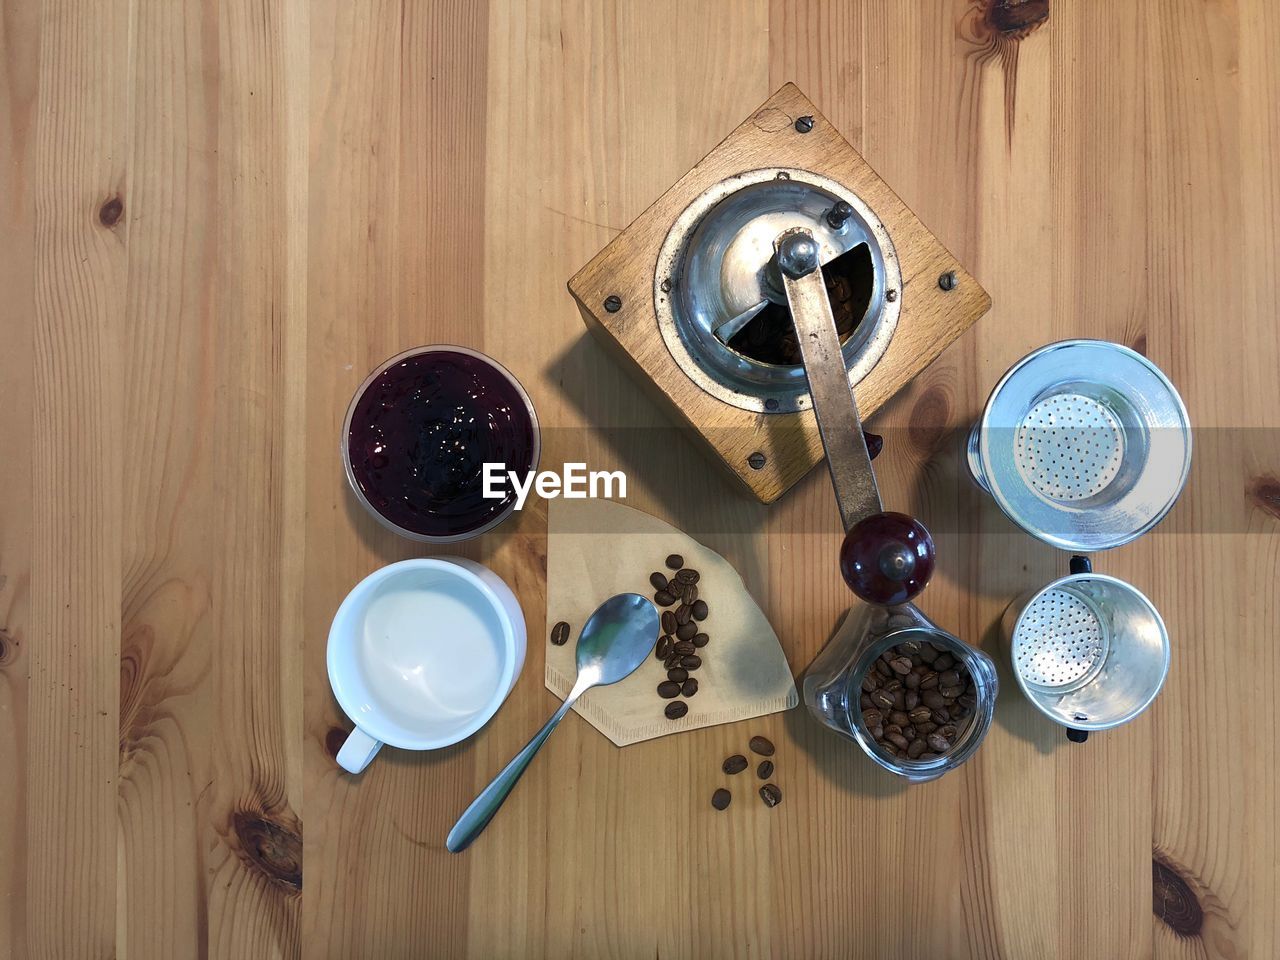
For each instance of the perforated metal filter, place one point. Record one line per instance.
(1059, 641)
(1069, 447)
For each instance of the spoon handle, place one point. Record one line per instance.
(477, 816)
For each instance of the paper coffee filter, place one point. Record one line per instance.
(598, 548)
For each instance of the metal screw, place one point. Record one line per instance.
(756, 461)
(613, 303)
(838, 214)
(798, 255)
(804, 124)
(948, 280)
(771, 404)
(666, 285)
(891, 295)
(783, 175)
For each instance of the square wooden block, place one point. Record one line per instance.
(771, 451)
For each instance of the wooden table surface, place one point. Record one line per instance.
(220, 214)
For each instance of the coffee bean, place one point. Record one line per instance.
(721, 798)
(668, 689)
(948, 678)
(671, 661)
(924, 729)
(912, 700)
(900, 700)
(663, 649)
(690, 687)
(676, 709)
(951, 692)
(944, 662)
(932, 699)
(872, 718)
(675, 561)
(940, 715)
(909, 732)
(908, 647)
(678, 674)
(684, 648)
(735, 764)
(890, 749)
(948, 730)
(883, 669)
(915, 748)
(870, 682)
(928, 652)
(669, 622)
(689, 594)
(687, 576)
(919, 715)
(686, 631)
(900, 718)
(938, 743)
(882, 699)
(900, 665)
(967, 700)
(894, 685)
(771, 795)
(691, 662)
(700, 639)
(864, 701)
(928, 680)
(663, 599)
(877, 733)
(658, 581)
(897, 739)
(765, 770)
(700, 610)
(915, 661)
(560, 634)
(684, 613)
(762, 746)
(911, 681)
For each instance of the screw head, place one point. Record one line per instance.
(798, 255)
(838, 214)
(756, 461)
(804, 124)
(666, 285)
(891, 295)
(948, 281)
(771, 404)
(613, 303)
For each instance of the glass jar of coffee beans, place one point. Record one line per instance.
(916, 699)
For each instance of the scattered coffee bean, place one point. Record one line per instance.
(678, 674)
(691, 662)
(668, 689)
(684, 648)
(762, 746)
(700, 639)
(735, 764)
(765, 770)
(684, 613)
(700, 610)
(771, 795)
(687, 576)
(663, 649)
(689, 594)
(669, 622)
(675, 561)
(686, 632)
(658, 581)
(663, 599)
(676, 709)
(721, 798)
(689, 688)
(671, 661)
(560, 634)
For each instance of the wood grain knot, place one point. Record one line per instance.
(272, 849)
(333, 741)
(1173, 901)
(109, 213)
(1264, 492)
(1015, 19)
(8, 648)
(927, 423)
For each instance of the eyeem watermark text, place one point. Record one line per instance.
(575, 483)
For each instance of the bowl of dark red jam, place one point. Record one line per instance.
(420, 430)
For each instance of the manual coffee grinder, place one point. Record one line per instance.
(775, 277)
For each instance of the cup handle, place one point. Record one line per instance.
(357, 751)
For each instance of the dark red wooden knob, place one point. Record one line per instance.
(887, 558)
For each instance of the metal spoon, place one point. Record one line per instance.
(615, 641)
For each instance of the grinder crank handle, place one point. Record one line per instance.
(886, 558)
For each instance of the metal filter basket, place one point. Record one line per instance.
(1089, 651)
(1084, 444)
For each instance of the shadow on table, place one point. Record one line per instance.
(1014, 712)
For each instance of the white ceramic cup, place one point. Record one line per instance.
(421, 655)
